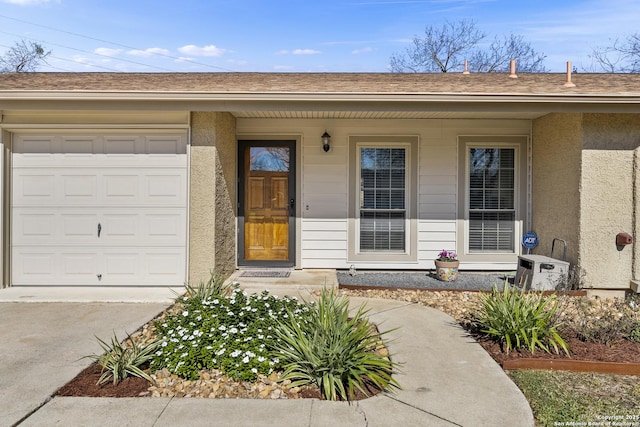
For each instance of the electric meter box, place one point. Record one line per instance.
(539, 272)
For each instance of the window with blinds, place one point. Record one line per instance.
(492, 204)
(382, 204)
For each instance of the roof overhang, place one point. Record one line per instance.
(325, 105)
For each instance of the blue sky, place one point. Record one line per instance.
(293, 36)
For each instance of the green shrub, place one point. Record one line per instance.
(120, 361)
(333, 350)
(518, 320)
(634, 335)
(231, 333)
(605, 321)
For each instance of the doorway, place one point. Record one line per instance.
(267, 204)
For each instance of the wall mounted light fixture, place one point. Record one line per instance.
(326, 140)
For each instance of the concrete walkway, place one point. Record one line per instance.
(41, 346)
(447, 379)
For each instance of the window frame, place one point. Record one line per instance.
(360, 208)
(519, 143)
(410, 145)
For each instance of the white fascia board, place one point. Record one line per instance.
(231, 102)
(315, 96)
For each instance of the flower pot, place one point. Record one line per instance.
(447, 271)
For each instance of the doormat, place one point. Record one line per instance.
(265, 273)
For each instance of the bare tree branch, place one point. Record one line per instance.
(23, 57)
(501, 51)
(441, 50)
(444, 49)
(622, 56)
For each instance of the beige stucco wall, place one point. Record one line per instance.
(609, 198)
(585, 190)
(212, 195)
(555, 198)
(226, 192)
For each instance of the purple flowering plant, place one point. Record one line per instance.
(447, 256)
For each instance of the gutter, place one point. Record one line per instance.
(314, 96)
(279, 101)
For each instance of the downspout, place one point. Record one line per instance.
(635, 257)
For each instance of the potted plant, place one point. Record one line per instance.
(447, 266)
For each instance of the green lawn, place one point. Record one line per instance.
(580, 399)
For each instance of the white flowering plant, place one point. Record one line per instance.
(233, 333)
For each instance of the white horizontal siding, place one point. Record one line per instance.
(324, 191)
(324, 242)
(426, 226)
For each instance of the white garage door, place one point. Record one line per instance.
(108, 209)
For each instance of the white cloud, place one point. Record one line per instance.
(282, 67)
(363, 50)
(149, 51)
(209, 50)
(298, 52)
(306, 52)
(29, 2)
(105, 51)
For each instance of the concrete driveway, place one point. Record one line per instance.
(42, 343)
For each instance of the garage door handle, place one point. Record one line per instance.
(99, 229)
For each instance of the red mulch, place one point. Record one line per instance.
(84, 384)
(622, 351)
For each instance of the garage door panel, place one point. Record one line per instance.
(118, 227)
(78, 227)
(121, 188)
(34, 188)
(144, 227)
(62, 227)
(79, 266)
(72, 227)
(36, 146)
(168, 188)
(36, 226)
(98, 267)
(144, 267)
(54, 266)
(165, 226)
(121, 146)
(99, 209)
(121, 266)
(77, 148)
(78, 188)
(40, 263)
(165, 267)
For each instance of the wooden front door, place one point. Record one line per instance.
(267, 203)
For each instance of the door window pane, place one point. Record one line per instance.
(269, 159)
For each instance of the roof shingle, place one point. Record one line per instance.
(547, 84)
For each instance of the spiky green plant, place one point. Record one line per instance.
(120, 360)
(517, 319)
(334, 350)
(213, 287)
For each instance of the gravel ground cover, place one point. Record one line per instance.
(424, 280)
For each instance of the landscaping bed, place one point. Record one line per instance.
(593, 315)
(238, 333)
(600, 319)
